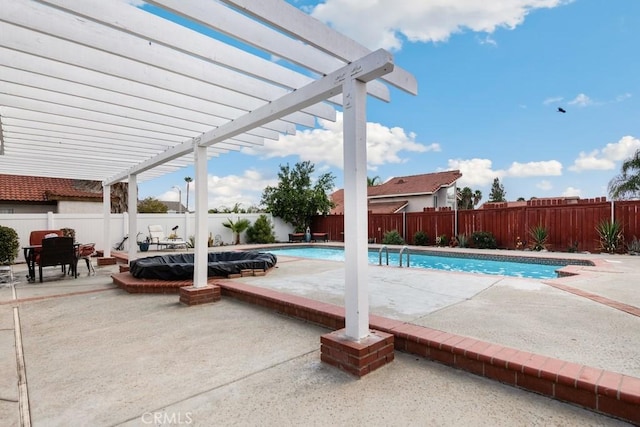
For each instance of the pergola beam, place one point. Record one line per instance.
(365, 69)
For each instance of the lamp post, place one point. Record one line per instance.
(179, 198)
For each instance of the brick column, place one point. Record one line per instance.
(357, 357)
(191, 295)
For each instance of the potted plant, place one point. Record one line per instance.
(143, 244)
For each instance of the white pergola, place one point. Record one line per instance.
(104, 90)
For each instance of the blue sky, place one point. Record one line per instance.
(491, 76)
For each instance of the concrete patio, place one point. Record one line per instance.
(94, 354)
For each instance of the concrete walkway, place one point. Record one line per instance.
(95, 355)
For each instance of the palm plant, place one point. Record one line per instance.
(627, 184)
(539, 235)
(610, 233)
(237, 227)
(373, 181)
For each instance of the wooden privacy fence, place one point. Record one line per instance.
(570, 223)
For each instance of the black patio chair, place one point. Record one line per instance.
(58, 251)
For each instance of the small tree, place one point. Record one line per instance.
(296, 199)
(261, 231)
(151, 205)
(497, 192)
(237, 227)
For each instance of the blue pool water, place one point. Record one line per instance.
(421, 260)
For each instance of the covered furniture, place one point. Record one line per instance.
(158, 238)
(60, 251)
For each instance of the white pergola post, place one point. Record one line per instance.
(355, 211)
(201, 209)
(106, 217)
(133, 216)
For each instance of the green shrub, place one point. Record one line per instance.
(9, 245)
(539, 235)
(420, 238)
(442, 240)
(261, 231)
(484, 240)
(392, 238)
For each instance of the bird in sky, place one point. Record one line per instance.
(561, 110)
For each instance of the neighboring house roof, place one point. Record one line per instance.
(174, 206)
(404, 186)
(387, 207)
(413, 185)
(21, 188)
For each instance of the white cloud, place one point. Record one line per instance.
(478, 172)
(552, 100)
(544, 185)
(571, 192)
(623, 97)
(581, 100)
(546, 168)
(475, 172)
(606, 158)
(245, 189)
(388, 23)
(324, 145)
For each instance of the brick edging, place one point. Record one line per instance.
(603, 391)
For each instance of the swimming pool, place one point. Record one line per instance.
(461, 263)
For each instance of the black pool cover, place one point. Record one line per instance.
(180, 266)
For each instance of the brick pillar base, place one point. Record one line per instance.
(357, 357)
(191, 295)
(106, 261)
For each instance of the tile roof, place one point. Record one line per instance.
(386, 207)
(427, 183)
(22, 188)
(412, 185)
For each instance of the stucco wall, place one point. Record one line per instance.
(79, 207)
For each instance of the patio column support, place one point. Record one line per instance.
(355, 209)
(133, 216)
(201, 219)
(106, 214)
(356, 349)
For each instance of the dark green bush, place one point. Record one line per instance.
(420, 238)
(392, 238)
(9, 245)
(442, 240)
(484, 240)
(261, 231)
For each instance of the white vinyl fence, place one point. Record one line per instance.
(89, 228)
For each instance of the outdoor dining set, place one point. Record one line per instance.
(48, 248)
